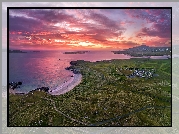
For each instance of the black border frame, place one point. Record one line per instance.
(8, 8)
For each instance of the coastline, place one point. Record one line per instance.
(67, 86)
(61, 89)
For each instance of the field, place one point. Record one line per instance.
(105, 97)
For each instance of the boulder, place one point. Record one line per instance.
(14, 85)
(45, 89)
(70, 68)
(73, 63)
(19, 83)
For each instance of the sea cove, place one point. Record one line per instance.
(44, 69)
(52, 74)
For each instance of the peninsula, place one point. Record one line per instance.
(144, 50)
(16, 51)
(76, 52)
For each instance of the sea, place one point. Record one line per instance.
(47, 68)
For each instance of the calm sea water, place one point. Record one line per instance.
(37, 69)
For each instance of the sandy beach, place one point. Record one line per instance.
(67, 86)
(61, 89)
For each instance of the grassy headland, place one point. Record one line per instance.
(105, 97)
(143, 50)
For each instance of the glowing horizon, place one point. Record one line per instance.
(88, 29)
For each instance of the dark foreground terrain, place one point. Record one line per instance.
(105, 97)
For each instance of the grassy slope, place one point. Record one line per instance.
(104, 94)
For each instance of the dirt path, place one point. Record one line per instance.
(67, 116)
(126, 115)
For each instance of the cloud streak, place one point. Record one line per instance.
(84, 28)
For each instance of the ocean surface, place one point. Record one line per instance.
(38, 69)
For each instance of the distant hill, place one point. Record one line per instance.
(35, 51)
(76, 52)
(144, 50)
(16, 51)
(147, 48)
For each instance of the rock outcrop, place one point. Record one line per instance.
(45, 89)
(14, 85)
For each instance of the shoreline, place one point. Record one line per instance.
(61, 89)
(14, 92)
(67, 86)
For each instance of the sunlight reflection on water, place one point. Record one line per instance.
(48, 68)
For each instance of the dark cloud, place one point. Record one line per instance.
(17, 23)
(52, 16)
(161, 19)
(105, 21)
(151, 15)
(157, 30)
(47, 15)
(95, 26)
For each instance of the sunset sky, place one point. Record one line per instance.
(88, 29)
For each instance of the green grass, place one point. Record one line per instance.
(104, 93)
